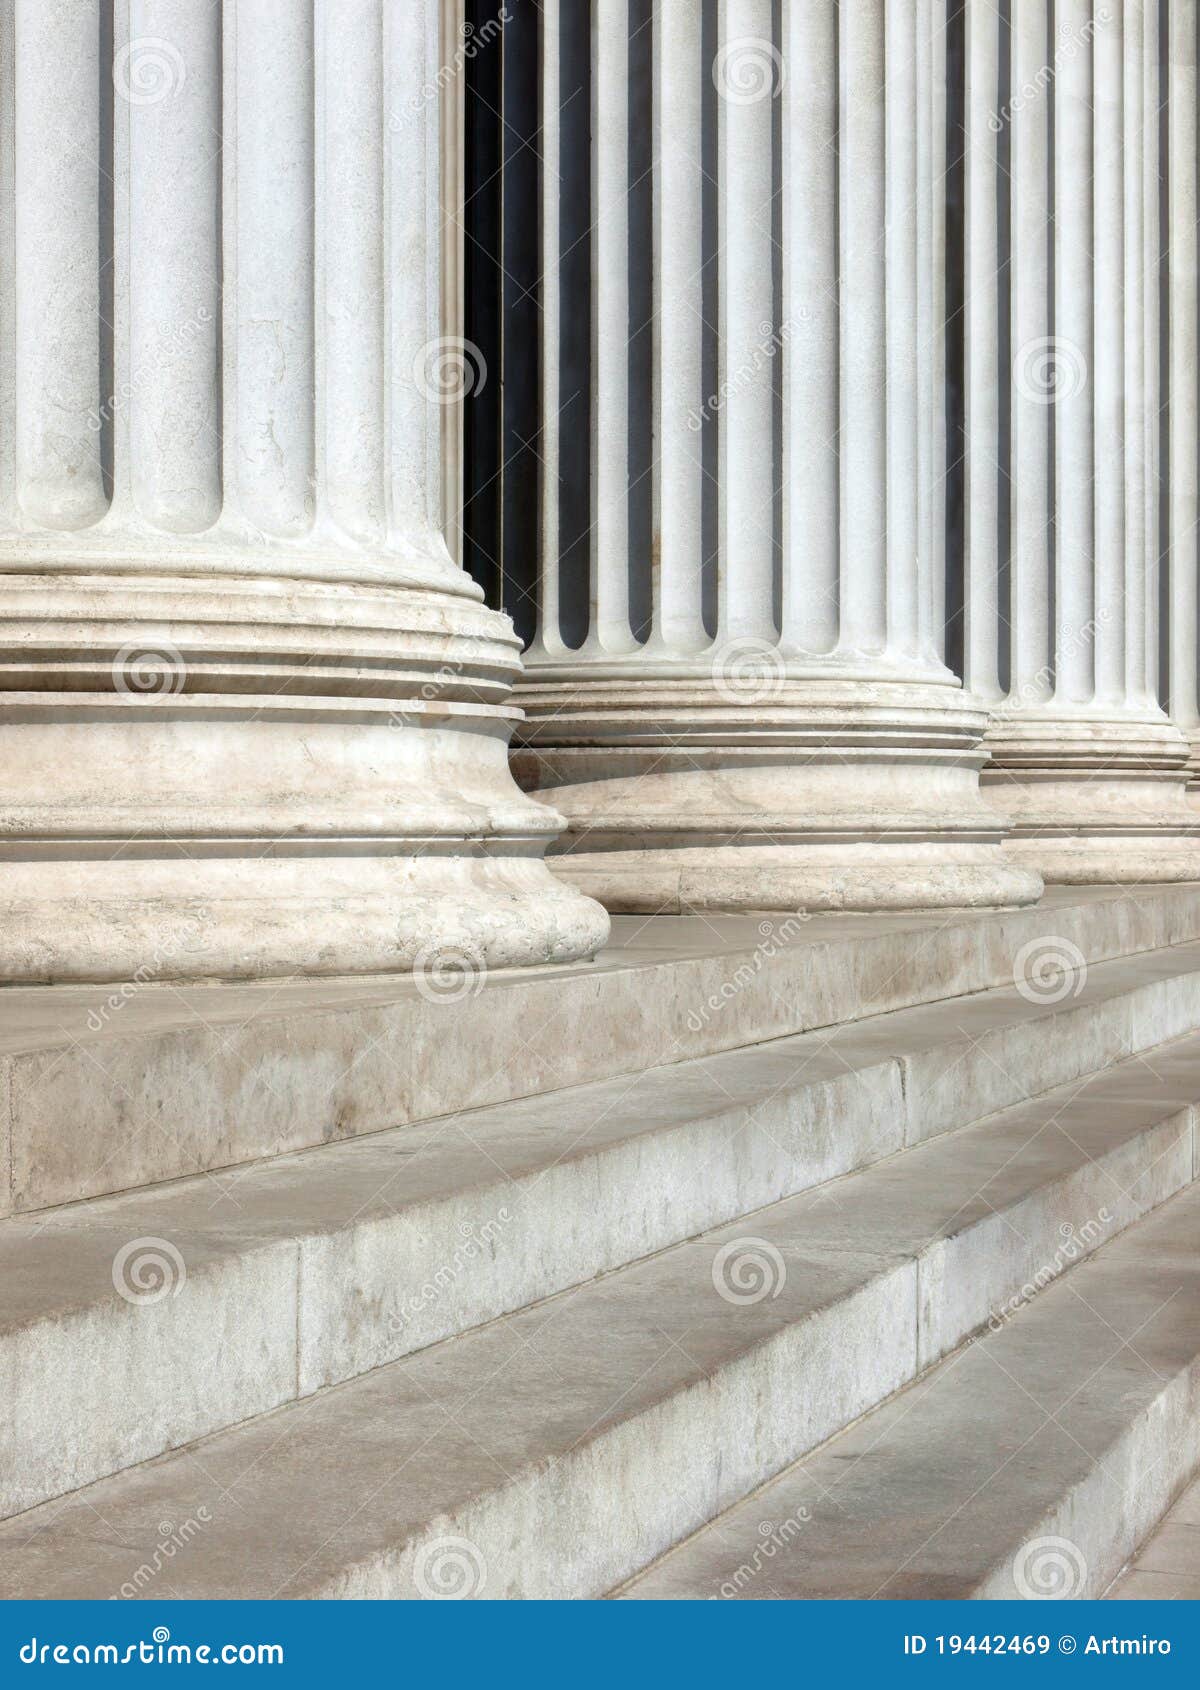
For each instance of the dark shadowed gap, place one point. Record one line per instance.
(482, 409)
(641, 316)
(1004, 350)
(106, 278)
(575, 283)
(520, 364)
(709, 361)
(1161, 657)
(955, 348)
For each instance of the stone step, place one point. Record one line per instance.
(196, 1305)
(109, 1088)
(1030, 1463)
(555, 1451)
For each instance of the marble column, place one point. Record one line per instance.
(783, 733)
(1062, 495)
(1183, 559)
(253, 720)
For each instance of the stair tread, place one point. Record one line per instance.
(949, 1489)
(57, 1261)
(344, 1479)
(215, 1077)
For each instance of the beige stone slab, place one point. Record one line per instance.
(1174, 1548)
(558, 1443)
(406, 1238)
(583, 1352)
(1075, 1421)
(1139, 1586)
(176, 1081)
(1187, 1509)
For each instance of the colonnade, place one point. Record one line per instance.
(851, 695)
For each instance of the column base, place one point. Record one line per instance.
(450, 920)
(748, 880)
(258, 779)
(832, 795)
(1096, 800)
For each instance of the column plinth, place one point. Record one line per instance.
(253, 719)
(827, 793)
(1095, 799)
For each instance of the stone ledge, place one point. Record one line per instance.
(109, 1088)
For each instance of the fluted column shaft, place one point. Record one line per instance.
(1062, 430)
(253, 719)
(1183, 558)
(784, 732)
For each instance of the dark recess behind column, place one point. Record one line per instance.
(482, 411)
(575, 284)
(519, 327)
(955, 385)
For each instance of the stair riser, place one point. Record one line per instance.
(1031, 1244)
(1010, 1063)
(328, 1308)
(98, 1392)
(591, 1519)
(1112, 1512)
(131, 1107)
(574, 1527)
